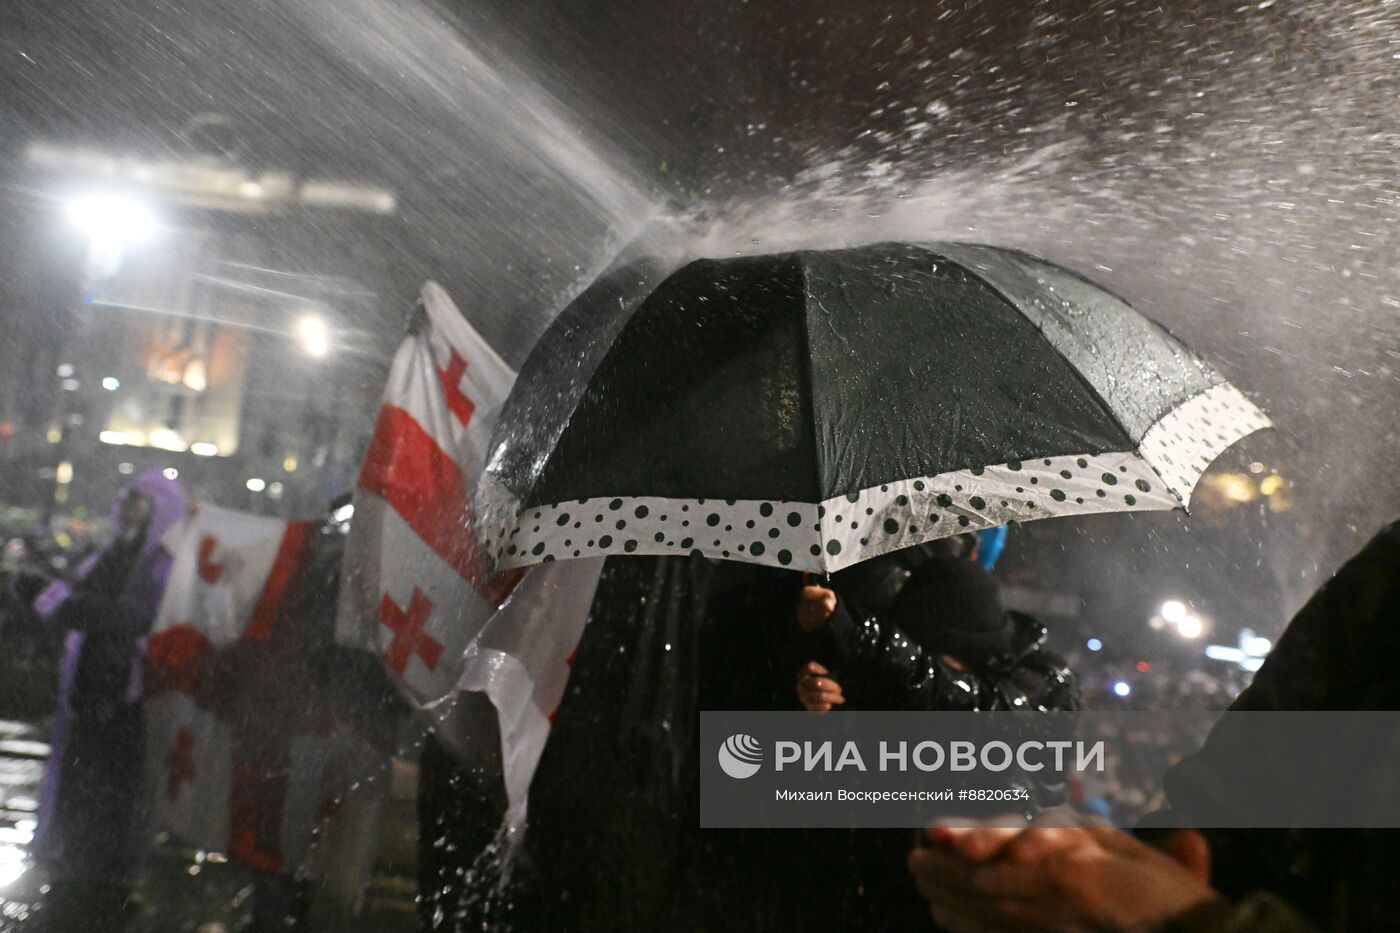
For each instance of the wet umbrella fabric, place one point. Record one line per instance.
(814, 409)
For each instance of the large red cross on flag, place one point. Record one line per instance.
(243, 755)
(418, 589)
(409, 638)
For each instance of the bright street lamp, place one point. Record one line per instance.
(111, 223)
(112, 218)
(315, 336)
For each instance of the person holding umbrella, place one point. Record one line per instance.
(806, 411)
(947, 643)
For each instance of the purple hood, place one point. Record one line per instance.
(167, 507)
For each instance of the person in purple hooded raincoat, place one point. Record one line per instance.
(91, 831)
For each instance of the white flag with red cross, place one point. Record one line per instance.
(417, 587)
(244, 755)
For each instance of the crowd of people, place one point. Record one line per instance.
(757, 634)
(919, 629)
(94, 831)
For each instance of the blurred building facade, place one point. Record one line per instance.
(188, 313)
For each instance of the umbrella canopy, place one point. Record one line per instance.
(817, 408)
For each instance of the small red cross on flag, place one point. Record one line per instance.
(409, 637)
(457, 402)
(209, 571)
(179, 763)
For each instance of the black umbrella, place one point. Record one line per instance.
(817, 408)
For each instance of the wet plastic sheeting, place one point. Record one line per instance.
(609, 795)
(612, 841)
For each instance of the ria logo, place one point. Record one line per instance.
(740, 756)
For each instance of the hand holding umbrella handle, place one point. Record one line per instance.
(817, 690)
(814, 607)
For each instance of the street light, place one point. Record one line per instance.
(112, 218)
(315, 336)
(111, 223)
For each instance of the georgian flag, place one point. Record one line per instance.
(243, 755)
(417, 587)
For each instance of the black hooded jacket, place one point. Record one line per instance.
(882, 667)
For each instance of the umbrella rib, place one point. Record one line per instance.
(817, 465)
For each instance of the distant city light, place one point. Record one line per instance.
(204, 449)
(290, 464)
(1094, 644)
(1174, 613)
(64, 370)
(274, 489)
(1173, 610)
(125, 469)
(166, 439)
(1142, 667)
(70, 385)
(111, 383)
(1270, 485)
(54, 435)
(171, 473)
(112, 437)
(1250, 654)
(344, 513)
(1236, 488)
(1254, 645)
(1121, 688)
(194, 377)
(12, 863)
(1256, 467)
(256, 485)
(314, 335)
(64, 474)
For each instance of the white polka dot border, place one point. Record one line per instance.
(828, 536)
(1189, 437)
